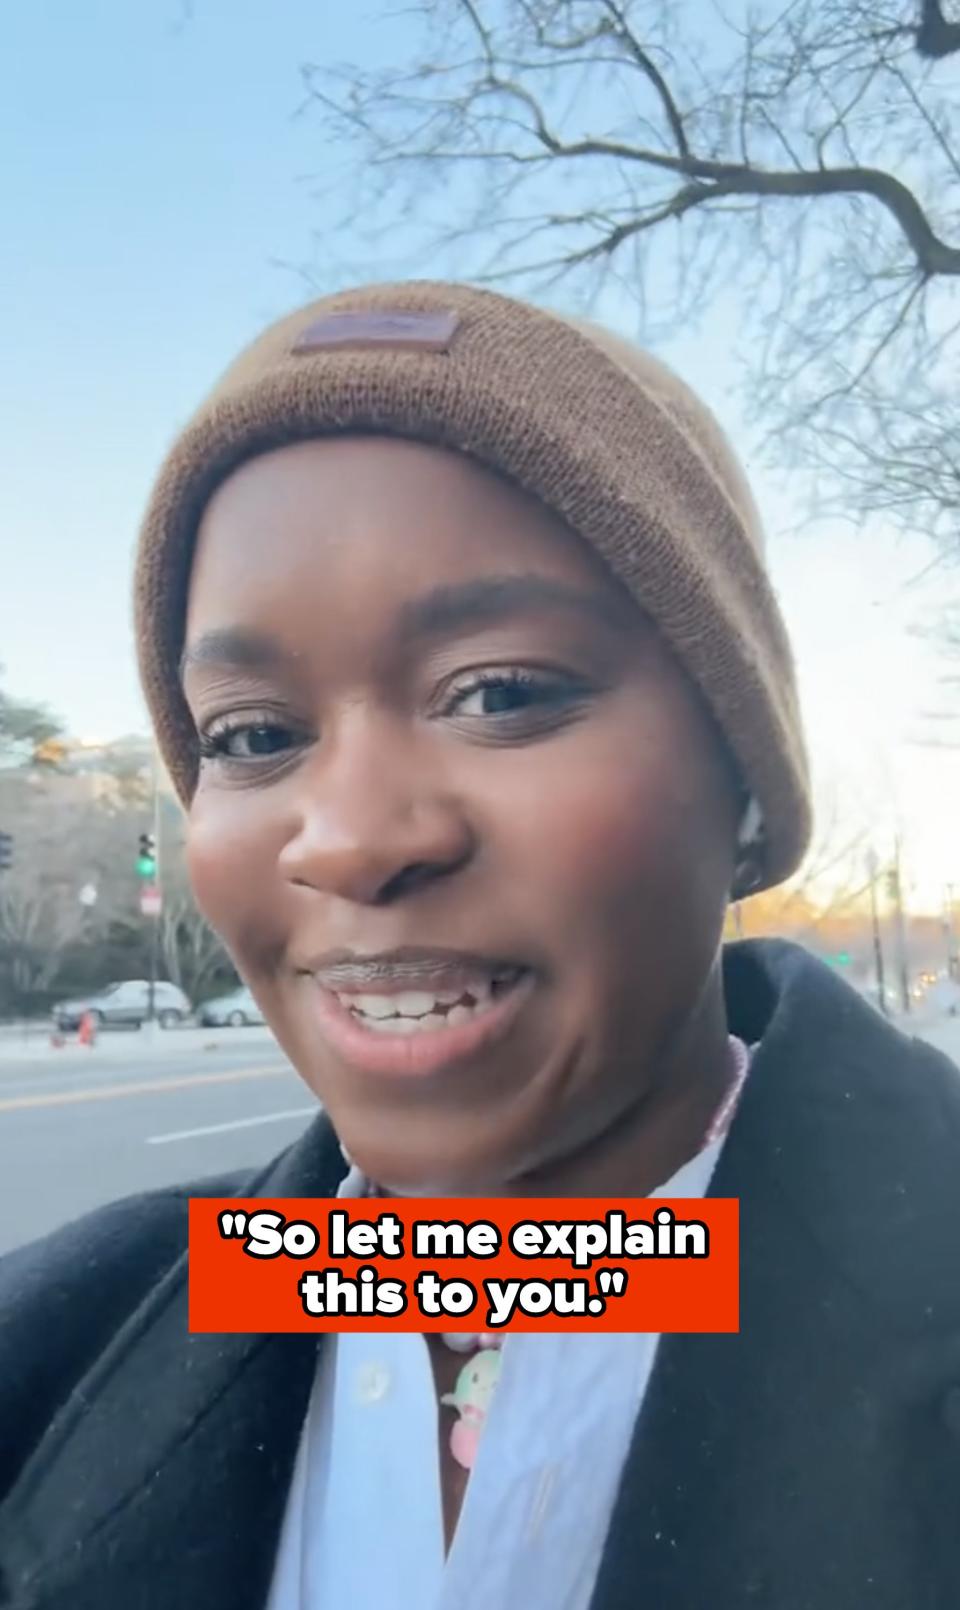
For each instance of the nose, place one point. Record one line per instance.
(373, 824)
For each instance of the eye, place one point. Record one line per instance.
(513, 691)
(247, 741)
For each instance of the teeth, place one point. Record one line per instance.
(415, 1003)
(421, 1025)
(370, 1005)
(385, 1025)
(400, 1025)
(409, 1003)
(414, 1025)
(411, 1011)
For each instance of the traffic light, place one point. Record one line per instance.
(6, 851)
(147, 856)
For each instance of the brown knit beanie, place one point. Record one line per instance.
(598, 430)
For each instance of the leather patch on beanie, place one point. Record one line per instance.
(398, 329)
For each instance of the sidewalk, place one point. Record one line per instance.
(119, 1045)
(24, 1031)
(943, 1033)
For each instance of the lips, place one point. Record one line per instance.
(459, 1013)
(410, 968)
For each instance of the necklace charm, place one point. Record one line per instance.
(471, 1397)
(465, 1342)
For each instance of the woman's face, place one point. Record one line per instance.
(461, 821)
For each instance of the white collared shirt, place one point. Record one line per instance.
(363, 1528)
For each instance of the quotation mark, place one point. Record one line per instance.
(233, 1224)
(610, 1283)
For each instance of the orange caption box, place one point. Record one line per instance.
(652, 1264)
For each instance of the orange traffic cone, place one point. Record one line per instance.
(88, 1030)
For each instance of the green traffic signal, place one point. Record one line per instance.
(147, 856)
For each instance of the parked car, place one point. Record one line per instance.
(230, 1011)
(126, 1002)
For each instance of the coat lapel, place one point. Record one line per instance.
(164, 1479)
(779, 1467)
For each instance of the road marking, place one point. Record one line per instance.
(152, 1087)
(61, 1083)
(235, 1123)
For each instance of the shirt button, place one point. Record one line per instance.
(373, 1383)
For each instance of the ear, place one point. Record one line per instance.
(747, 875)
(749, 862)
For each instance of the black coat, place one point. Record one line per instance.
(811, 1462)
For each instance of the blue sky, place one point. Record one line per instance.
(161, 178)
(155, 190)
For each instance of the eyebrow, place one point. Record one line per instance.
(233, 646)
(492, 599)
(487, 601)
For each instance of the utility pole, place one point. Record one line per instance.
(151, 899)
(872, 870)
(896, 889)
(154, 918)
(953, 950)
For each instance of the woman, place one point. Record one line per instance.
(456, 636)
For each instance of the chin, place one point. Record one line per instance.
(409, 1174)
(425, 1189)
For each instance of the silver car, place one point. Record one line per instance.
(126, 1002)
(233, 1011)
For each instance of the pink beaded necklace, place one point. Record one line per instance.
(477, 1380)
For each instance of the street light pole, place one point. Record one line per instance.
(900, 929)
(953, 952)
(154, 918)
(872, 870)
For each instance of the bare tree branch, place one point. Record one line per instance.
(649, 68)
(679, 154)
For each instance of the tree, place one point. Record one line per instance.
(803, 157)
(194, 956)
(827, 895)
(69, 831)
(24, 728)
(938, 726)
(60, 841)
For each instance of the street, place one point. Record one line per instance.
(944, 1034)
(80, 1127)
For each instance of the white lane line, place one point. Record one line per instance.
(235, 1123)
